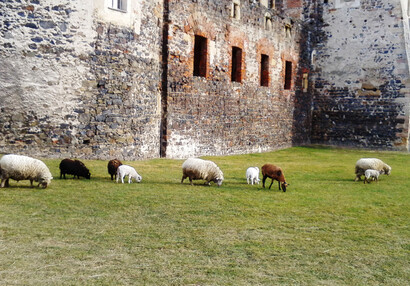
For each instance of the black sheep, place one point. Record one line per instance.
(74, 167)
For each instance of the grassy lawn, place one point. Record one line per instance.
(325, 230)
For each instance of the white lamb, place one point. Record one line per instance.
(19, 167)
(371, 175)
(125, 170)
(370, 163)
(252, 175)
(199, 169)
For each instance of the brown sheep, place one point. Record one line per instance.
(275, 173)
(112, 168)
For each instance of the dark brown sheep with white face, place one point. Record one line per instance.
(112, 168)
(275, 173)
(74, 167)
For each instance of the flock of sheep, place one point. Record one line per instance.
(19, 167)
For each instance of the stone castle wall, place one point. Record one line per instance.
(212, 114)
(78, 79)
(361, 76)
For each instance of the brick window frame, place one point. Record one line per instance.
(264, 75)
(200, 56)
(288, 75)
(236, 66)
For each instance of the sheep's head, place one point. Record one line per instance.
(138, 178)
(44, 182)
(387, 170)
(218, 181)
(284, 185)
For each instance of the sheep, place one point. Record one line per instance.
(199, 169)
(74, 167)
(19, 167)
(370, 163)
(112, 168)
(371, 175)
(125, 170)
(252, 175)
(275, 173)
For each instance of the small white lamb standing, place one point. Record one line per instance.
(252, 175)
(371, 175)
(125, 170)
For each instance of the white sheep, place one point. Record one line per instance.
(252, 175)
(364, 164)
(125, 170)
(199, 169)
(19, 167)
(371, 175)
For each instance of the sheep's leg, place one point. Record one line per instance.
(279, 186)
(190, 181)
(263, 180)
(122, 179)
(129, 179)
(116, 179)
(31, 183)
(3, 182)
(183, 178)
(271, 184)
(247, 180)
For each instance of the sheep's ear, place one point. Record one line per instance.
(279, 173)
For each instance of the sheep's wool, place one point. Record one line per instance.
(203, 169)
(18, 167)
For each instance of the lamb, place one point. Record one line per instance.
(275, 173)
(199, 169)
(125, 170)
(74, 167)
(112, 168)
(252, 175)
(19, 167)
(371, 175)
(370, 163)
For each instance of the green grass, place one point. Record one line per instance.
(325, 230)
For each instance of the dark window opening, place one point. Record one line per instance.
(288, 75)
(271, 4)
(265, 70)
(200, 56)
(236, 74)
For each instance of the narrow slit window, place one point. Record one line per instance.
(264, 70)
(271, 4)
(236, 74)
(200, 56)
(236, 9)
(288, 75)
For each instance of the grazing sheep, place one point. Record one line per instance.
(125, 170)
(370, 163)
(112, 168)
(252, 175)
(275, 173)
(74, 167)
(18, 167)
(199, 169)
(371, 175)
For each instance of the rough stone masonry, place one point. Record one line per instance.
(179, 78)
